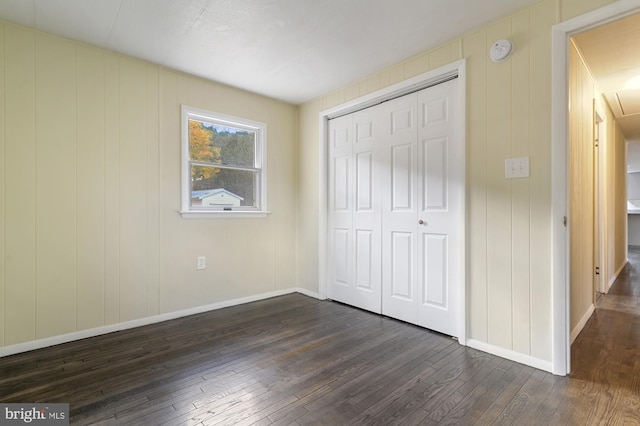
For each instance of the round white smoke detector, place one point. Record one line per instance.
(500, 50)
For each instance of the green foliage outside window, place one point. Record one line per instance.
(226, 149)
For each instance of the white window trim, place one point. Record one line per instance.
(261, 156)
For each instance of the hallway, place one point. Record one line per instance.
(606, 355)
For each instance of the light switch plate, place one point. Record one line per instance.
(515, 168)
(201, 263)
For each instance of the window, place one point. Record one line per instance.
(223, 165)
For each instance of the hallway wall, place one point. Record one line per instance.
(583, 92)
(616, 206)
(581, 183)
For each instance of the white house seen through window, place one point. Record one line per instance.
(223, 163)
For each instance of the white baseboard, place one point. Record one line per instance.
(583, 321)
(307, 292)
(83, 334)
(616, 275)
(538, 363)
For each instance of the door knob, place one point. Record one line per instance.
(421, 222)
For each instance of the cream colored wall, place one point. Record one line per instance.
(308, 196)
(620, 222)
(614, 203)
(509, 229)
(581, 181)
(90, 192)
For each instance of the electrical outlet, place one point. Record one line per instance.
(201, 263)
(515, 168)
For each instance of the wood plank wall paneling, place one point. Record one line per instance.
(521, 188)
(90, 188)
(581, 162)
(616, 202)
(285, 248)
(112, 193)
(2, 190)
(20, 185)
(89, 223)
(499, 195)
(616, 225)
(133, 189)
(55, 163)
(620, 200)
(153, 189)
(608, 197)
(169, 168)
(541, 19)
(308, 217)
(475, 47)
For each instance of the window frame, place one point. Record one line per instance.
(260, 164)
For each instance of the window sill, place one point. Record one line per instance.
(224, 215)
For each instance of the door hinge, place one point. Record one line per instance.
(597, 270)
(564, 221)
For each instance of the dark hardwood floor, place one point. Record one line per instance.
(296, 360)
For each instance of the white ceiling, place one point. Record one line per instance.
(293, 50)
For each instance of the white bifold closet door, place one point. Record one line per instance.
(354, 206)
(396, 183)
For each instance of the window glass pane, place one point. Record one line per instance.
(217, 187)
(201, 147)
(218, 144)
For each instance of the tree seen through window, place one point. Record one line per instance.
(222, 158)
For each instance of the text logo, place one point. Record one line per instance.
(34, 414)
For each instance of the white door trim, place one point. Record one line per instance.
(407, 86)
(561, 356)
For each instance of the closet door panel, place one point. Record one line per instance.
(402, 176)
(397, 124)
(354, 213)
(366, 214)
(441, 171)
(434, 175)
(340, 200)
(434, 264)
(402, 282)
